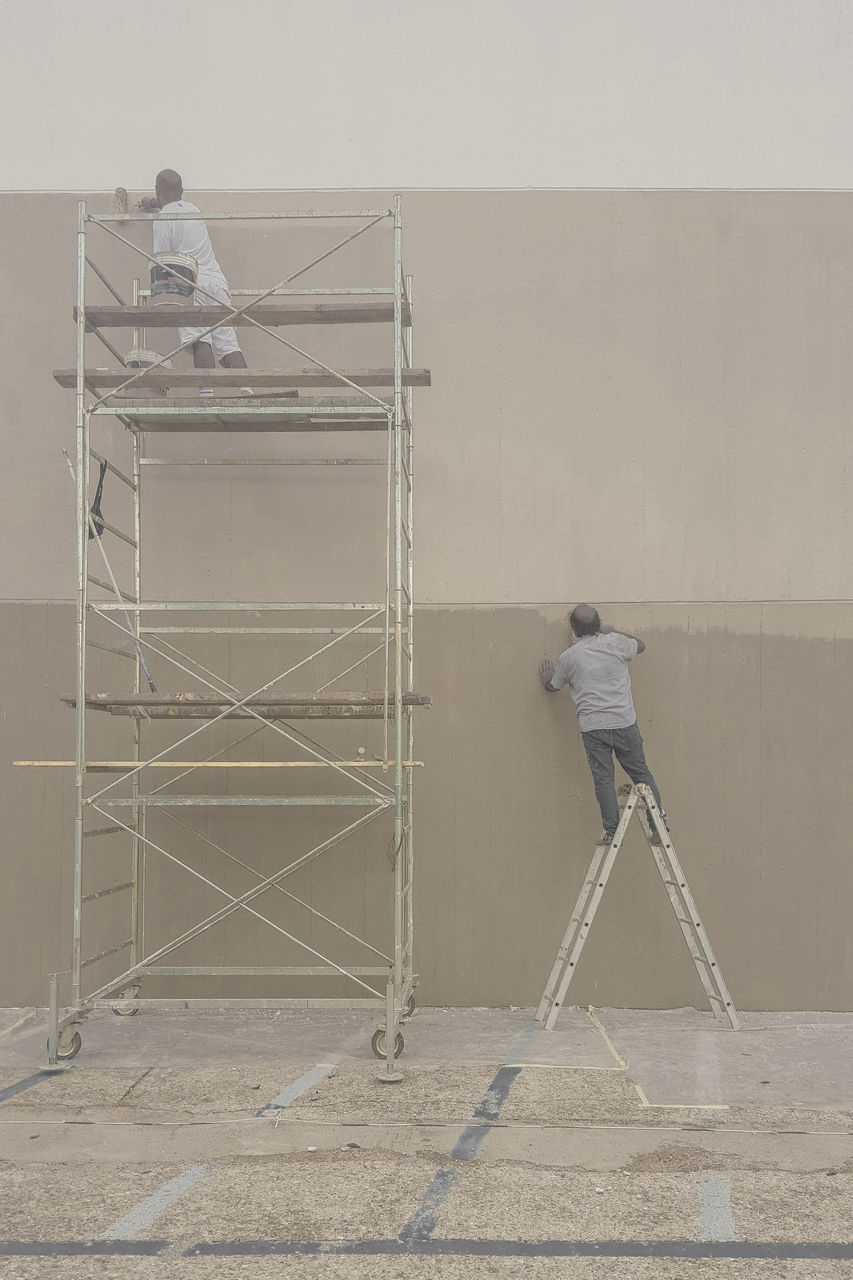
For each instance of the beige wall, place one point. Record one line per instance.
(639, 399)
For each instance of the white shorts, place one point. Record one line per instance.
(224, 339)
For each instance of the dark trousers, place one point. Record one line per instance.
(627, 745)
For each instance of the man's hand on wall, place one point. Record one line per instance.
(546, 671)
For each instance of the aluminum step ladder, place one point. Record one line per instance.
(678, 891)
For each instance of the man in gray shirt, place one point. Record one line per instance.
(596, 670)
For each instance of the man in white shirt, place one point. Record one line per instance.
(190, 236)
(596, 670)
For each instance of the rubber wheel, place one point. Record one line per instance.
(410, 1007)
(70, 1048)
(377, 1044)
(125, 1011)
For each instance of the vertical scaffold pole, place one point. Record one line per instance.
(82, 425)
(399, 816)
(410, 665)
(137, 878)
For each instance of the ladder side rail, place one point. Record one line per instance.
(693, 944)
(571, 929)
(594, 901)
(695, 934)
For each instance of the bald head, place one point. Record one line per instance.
(584, 620)
(169, 186)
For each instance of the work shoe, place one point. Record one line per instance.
(650, 826)
(246, 391)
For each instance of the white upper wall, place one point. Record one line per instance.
(435, 93)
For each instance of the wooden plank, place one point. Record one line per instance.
(271, 314)
(106, 378)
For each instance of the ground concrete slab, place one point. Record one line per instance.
(559, 1204)
(192, 1038)
(776, 1059)
(77, 1201)
(432, 1095)
(307, 1196)
(783, 1206)
(642, 1127)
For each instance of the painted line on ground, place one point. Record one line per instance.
(28, 1016)
(717, 1217)
(472, 1137)
(438, 1247)
(293, 1091)
(821, 1250)
(81, 1248)
(145, 1213)
(425, 1218)
(26, 1083)
(599, 1026)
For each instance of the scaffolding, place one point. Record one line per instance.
(117, 799)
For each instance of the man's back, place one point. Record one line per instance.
(187, 236)
(596, 671)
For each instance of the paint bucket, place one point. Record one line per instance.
(173, 280)
(139, 358)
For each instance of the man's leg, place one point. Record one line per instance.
(225, 344)
(628, 745)
(234, 360)
(227, 350)
(599, 753)
(203, 359)
(203, 355)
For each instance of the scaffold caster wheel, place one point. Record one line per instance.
(127, 1006)
(68, 1045)
(377, 1044)
(410, 1007)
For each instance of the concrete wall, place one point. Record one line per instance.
(639, 399)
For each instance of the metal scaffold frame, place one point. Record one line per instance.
(119, 622)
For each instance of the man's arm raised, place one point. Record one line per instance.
(608, 630)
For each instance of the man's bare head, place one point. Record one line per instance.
(584, 620)
(169, 186)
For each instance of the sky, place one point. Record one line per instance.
(305, 94)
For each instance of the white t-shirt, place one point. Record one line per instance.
(186, 236)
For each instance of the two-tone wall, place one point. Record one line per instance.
(639, 399)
